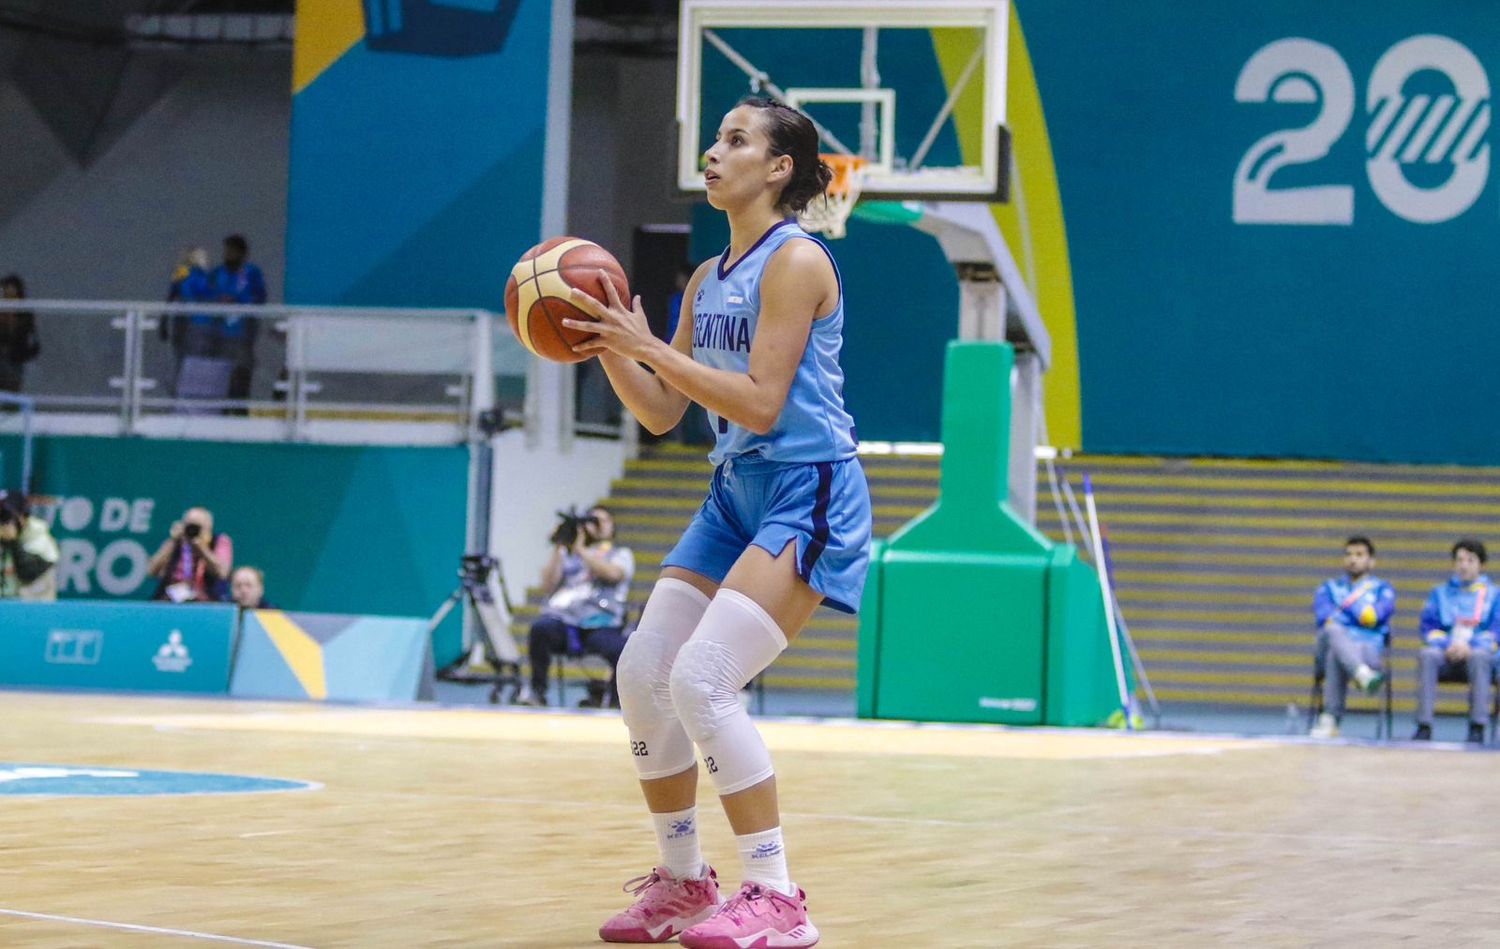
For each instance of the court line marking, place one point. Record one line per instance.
(56, 795)
(992, 822)
(153, 930)
(793, 735)
(1185, 833)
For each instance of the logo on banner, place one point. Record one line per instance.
(1008, 704)
(100, 562)
(1426, 156)
(173, 656)
(48, 780)
(74, 647)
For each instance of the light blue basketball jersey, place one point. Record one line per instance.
(813, 425)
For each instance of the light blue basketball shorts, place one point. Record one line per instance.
(823, 506)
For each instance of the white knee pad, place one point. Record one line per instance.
(658, 745)
(735, 641)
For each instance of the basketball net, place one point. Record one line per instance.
(830, 213)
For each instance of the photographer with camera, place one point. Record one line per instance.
(192, 565)
(588, 579)
(28, 553)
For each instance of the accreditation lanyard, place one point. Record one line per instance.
(1359, 591)
(1479, 601)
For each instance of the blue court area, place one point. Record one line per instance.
(51, 780)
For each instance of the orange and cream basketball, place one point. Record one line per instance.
(538, 294)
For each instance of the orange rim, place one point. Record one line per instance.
(846, 168)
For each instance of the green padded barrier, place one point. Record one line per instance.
(970, 614)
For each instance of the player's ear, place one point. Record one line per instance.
(781, 168)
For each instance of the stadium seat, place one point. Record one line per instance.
(1461, 679)
(593, 669)
(1383, 714)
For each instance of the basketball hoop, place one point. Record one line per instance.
(830, 213)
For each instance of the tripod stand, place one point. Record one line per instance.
(479, 580)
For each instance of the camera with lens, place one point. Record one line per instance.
(191, 531)
(476, 568)
(570, 523)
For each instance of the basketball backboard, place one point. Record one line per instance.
(915, 87)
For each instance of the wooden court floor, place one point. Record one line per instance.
(448, 827)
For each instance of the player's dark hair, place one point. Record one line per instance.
(1362, 541)
(238, 242)
(1475, 547)
(793, 133)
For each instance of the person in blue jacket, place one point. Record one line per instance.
(237, 280)
(1458, 639)
(1353, 615)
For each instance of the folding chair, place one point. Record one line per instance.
(589, 666)
(1383, 715)
(202, 377)
(1462, 678)
(590, 669)
(1494, 737)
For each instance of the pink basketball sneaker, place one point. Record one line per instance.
(666, 907)
(757, 917)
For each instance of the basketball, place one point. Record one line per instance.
(537, 294)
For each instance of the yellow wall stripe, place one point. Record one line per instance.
(302, 653)
(326, 30)
(1033, 220)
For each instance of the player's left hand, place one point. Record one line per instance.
(621, 330)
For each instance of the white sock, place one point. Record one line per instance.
(677, 836)
(764, 857)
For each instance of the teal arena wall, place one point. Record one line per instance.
(417, 153)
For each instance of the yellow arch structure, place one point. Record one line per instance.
(1033, 220)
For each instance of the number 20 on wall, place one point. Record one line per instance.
(1435, 130)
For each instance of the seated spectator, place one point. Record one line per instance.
(28, 553)
(192, 565)
(18, 340)
(588, 579)
(247, 588)
(1458, 640)
(1353, 613)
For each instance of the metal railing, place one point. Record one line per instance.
(27, 407)
(163, 368)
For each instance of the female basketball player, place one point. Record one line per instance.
(786, 526)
